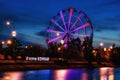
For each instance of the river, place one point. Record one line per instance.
(104, 73)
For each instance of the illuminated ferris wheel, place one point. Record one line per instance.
(67, 25)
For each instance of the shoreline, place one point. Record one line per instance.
(19, 65)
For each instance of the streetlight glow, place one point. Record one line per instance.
(111, 47)
(62, 41)
(59, 48)
(57, 33)
(7, 23)
(26, 46)
(3, 42)
(93, 51)
(14, 33)
(9, 42)
(101, 44)
(105, 49)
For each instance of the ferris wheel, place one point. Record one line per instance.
(68, 24)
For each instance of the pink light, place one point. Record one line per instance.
(13, 76)
(84, 76)
(106, 73)
(54, 39)
(80, 27)
(60, 74)
(65, 45)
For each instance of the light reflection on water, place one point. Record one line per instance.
(105, 73)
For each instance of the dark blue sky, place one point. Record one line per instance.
(31, 18)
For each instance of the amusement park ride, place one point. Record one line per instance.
(69, 26)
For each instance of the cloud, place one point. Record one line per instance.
(41, 33)
(100, 28)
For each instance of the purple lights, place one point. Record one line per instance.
(70, 24)
(80, 27)
(62, 17)
(57, 24)
(54, 39)
(78, 18)
(71, 10)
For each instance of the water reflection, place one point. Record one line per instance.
(12, 76)
(105, 73)
(60, 74)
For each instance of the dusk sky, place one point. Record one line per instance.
(31, 18)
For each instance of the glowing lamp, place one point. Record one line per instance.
(62, 41)
(111, 47)
(101, 44)
(7, 23)
(3, 42)
(59, 48)
(105, 49)
(26, 46)
(14, 33)
(9, 42)
(93, 51)
(57, 33)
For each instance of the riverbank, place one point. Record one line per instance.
(19, 65)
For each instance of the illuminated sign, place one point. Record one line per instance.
(38, 58)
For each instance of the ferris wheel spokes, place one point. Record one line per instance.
(63, 20)
(80, 27)
(57, 24)
(70, 16)
(54, 39)
(78, 18)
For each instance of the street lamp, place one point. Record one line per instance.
(57, 33)
(14, 33)
(8, 23)
(111, 47)
(62, 42)
(105, 49)
(9, 42)
(3, 42)
(59, 49)
(101, 44)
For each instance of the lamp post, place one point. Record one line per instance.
(9, 42)
(14, 33)
(101, 44)
(8, 23)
